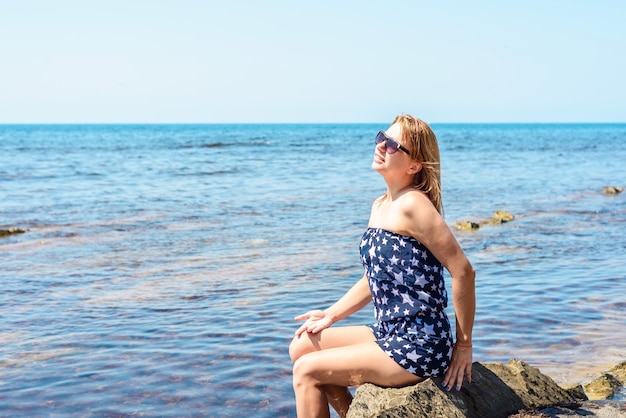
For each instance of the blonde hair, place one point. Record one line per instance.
(423, 147)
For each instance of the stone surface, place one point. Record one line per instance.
(612, 190)
(502, 216)
(497, 390)
(619, 371)
(533, 387)
(499, 217)
(12, 231)
(604, 387)
(467, 225)
(595, 409)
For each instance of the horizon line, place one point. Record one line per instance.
(304, 123)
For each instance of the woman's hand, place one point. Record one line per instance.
(315, 321)
(460, 366)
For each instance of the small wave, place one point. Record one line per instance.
(206, 173)
(233, 144)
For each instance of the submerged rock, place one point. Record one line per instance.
(467, 225)
(499, 217)
(12, 231)
(502, 216)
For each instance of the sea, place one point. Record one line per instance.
(162, 266)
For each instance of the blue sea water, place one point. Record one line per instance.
(163, 264)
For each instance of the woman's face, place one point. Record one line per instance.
(383, 161)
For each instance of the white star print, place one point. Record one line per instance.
(374, 288)
(407, 299)
(413, 356)
(421, 281)
(401, 288)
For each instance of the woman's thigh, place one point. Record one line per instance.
(351, 365)
(332, 337)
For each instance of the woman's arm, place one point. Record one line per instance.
(427, 225)
(355, 299)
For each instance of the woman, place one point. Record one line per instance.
(404, 250)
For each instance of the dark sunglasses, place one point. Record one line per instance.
(391, 144)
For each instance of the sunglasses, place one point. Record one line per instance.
(391, 144)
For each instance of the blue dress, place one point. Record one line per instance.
(409, 295)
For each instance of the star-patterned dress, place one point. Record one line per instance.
(407, 286)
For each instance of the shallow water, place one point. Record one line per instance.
(164, 264)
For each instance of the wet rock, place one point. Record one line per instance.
(499, 217)
(577, 392)
(619, 371)
(604, 387)
(12, 231)
(612, 190)
(497, 390)
(502, 216)
(467, 225)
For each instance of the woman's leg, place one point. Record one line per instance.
(339, 397)
(335, 359)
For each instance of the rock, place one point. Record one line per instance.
(502, 216)
(612, 190)
(12, 231)
(619, 371)
(577, 392)
(604, 387)
(496, 390)
(534, 388)
(467, 225)
(499, 217)
(596, 409)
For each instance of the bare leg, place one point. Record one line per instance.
(337, 358)
(339, 397)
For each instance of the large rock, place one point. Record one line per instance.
(497, 390)
(534, 388)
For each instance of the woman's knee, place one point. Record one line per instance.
(300, 345)
(303, 370)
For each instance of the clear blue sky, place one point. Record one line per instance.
(178, 61)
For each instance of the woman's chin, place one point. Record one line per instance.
(378, 165)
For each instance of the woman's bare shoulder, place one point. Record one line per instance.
(419, 212)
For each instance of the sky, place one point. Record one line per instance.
(271, 61)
